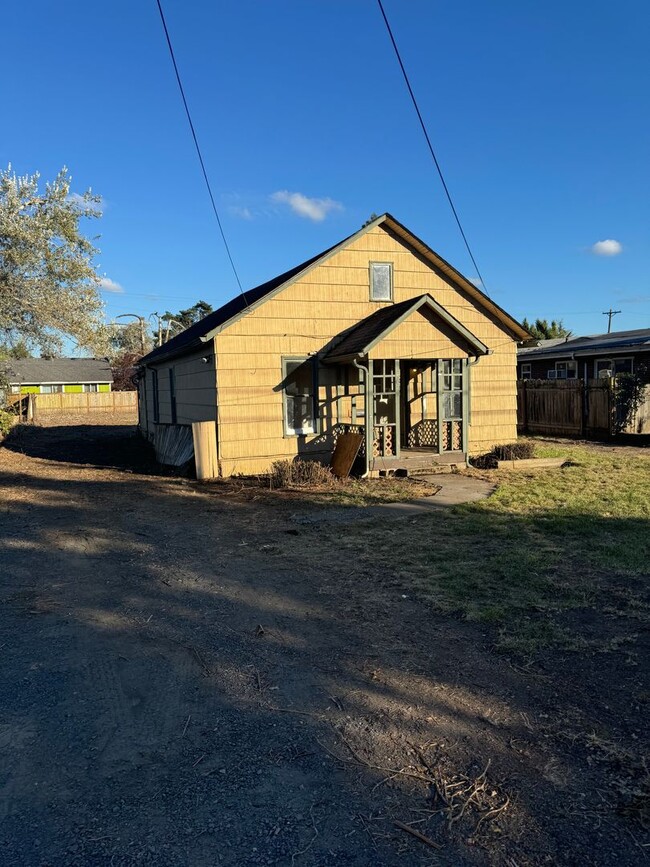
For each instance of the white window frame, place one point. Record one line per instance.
(313, 428)
(52, 388)
(371, 278)
(15, 389)
(567, 364)
(90, 387)
(526, 370)
(612, 364)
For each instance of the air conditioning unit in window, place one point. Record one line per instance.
(551, 374)
(605, 374)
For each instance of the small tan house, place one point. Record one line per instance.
(377, 335)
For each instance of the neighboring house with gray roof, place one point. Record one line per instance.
(57, 375)
(378, 336)
(590, 357)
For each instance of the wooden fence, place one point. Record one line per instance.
(31, 406)
(572, 407)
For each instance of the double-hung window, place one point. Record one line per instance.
(90, 387)
(299, 394)
(526, 371)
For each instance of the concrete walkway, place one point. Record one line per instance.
(455, 489)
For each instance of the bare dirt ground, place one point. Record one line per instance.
(194, 678)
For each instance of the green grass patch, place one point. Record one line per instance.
(547, 542)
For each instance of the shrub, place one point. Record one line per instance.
(7, 421)
(287, 473)
(514, 451)
(629, 395)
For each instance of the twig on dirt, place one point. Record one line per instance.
(394, 771)
(368, 832)
(492, 813)
(200, 759)
(417, 834)
(311, 842)
(201, 661)
(386, 780)
(187, 722)
(293, 710)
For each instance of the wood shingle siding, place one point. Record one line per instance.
(242, 385)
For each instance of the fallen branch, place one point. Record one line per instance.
(417, 834)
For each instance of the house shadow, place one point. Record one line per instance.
(102, 446)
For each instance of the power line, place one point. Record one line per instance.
(198, 149)
(428, 140)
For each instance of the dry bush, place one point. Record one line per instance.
(285, 474)
(508, 452)
(514, 451)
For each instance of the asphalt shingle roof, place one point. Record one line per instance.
(57, 370)
(637, 340)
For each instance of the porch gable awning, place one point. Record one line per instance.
(359, 340)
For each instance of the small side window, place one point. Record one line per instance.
(299, 395)
(381, 281)
(155, 395)
(526, 371)
(90, 387)
(172, 393)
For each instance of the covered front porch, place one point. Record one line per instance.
(410, 399)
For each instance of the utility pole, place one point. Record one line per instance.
(142, 321)
(610, 313)
(169, 323)
(159, 340)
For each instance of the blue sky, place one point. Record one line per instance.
(539, 113)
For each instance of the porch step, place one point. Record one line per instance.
(417, 465)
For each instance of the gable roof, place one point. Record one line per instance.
(637, 340)
(361, 338)
(38, 371)
(197, 334)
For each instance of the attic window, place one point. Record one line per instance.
(381, 281)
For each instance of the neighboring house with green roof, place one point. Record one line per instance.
(57, 375)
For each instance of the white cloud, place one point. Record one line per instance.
(311, 209)
(607, 248)
(242, 212)
(108, 285)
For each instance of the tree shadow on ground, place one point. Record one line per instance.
(190, 679)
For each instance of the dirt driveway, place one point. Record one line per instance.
(194, 679)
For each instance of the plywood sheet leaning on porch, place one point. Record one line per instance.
(204, 434)
(173, 444)
(345, 453)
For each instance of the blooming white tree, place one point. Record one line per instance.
(49, 286)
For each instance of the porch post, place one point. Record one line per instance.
(439, 404)
(465, 404)
(369, 408)
(398, 408)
